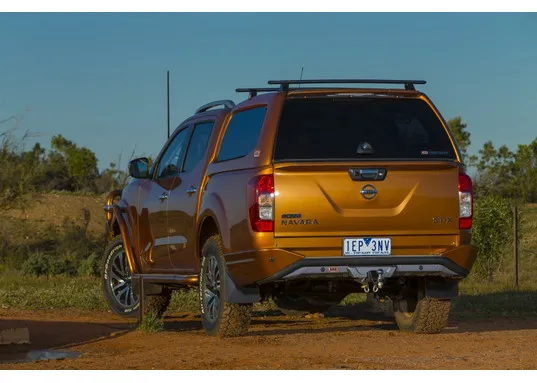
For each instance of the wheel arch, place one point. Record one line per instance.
(206, 229)
(119, 223)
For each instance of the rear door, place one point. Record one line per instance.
(184, 201)
(153, 227)
(360, 167)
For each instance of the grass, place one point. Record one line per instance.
(476, 299)
(151, 323)
(54, 292)
(42, 226)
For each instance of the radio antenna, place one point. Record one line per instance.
(168, 100)
(301, 72)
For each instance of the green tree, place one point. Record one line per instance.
(525, 172)
(80, 163)
(15, 174)
(462, 136)
(495, 171)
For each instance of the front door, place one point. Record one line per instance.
(184, 201)
(153, 233)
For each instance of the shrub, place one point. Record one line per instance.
(39, 263)
(89, 266)
(69, 250)
(492, 233)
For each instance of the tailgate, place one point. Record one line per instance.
(330, 200)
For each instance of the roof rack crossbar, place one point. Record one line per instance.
(228, 104)
(284, 84)
(252, 92)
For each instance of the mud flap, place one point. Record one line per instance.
(441, 288)
(241, 295)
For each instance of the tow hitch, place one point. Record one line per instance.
(371, 279)
(374, 279)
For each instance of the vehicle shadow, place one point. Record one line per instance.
(504, 311)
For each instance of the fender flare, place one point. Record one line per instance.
(124, 230)
(212, 207)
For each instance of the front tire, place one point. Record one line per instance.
(117, 280)
(117, 285)
(219, 318)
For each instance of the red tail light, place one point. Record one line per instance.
(466, 202)
(261, 203)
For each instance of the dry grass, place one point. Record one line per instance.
(477, 298)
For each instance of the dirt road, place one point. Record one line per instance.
(347, 338)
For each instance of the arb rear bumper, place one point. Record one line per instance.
(259, 267)
(358, 267)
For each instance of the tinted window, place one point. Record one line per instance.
(360, 128)
(198, 145)
(172, 158)
(242, 134)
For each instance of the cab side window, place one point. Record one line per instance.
(172, 159)
(242, 134)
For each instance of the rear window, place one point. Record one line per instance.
(360, 128)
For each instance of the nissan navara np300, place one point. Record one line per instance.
(302, 195)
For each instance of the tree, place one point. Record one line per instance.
(462, 136)
(525, 171)
(80, 163)
(15, 177)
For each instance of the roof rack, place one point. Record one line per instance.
(228, 104)
(252, 92)
(284, 84)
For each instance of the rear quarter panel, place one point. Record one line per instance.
(224, 196)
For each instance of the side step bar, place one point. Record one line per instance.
(153, 283)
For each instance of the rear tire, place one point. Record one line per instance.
(158, 304)
(422, 315)
(219, 318)
(377, 307)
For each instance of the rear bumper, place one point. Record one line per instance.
(358, 267)
(271, 265)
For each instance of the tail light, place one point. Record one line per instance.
(261, 203)
(466, 202)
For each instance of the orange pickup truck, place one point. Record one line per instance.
(302, 195)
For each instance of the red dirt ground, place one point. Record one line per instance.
(341, 340)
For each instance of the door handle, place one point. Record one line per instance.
(375, 174)
(191, 190)
(163, 196)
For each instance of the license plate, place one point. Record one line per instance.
(367, 246)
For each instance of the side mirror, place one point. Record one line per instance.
(139, 168)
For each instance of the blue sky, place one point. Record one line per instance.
(99, 79)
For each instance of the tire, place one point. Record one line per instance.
(295, 305)
(116, 280)
(117, 284)
(219, 318)
(158, 303)
(385, 308)
(422, 315)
